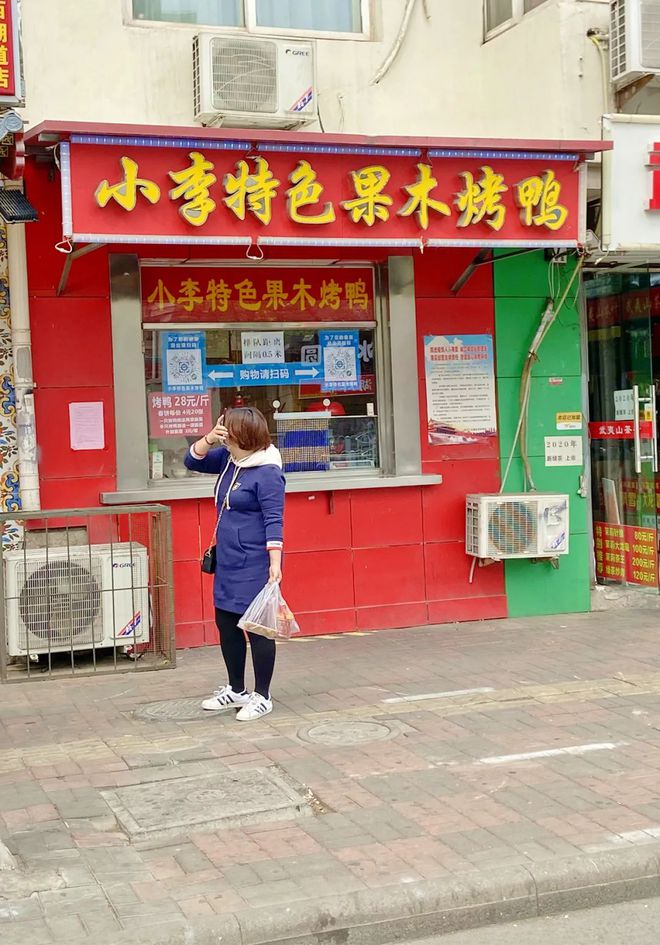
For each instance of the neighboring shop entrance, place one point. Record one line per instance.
(624, 363)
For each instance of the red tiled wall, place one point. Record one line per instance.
(367, 559)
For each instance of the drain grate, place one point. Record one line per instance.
(172, 710)
(347, 733)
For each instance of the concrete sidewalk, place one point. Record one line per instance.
(408, 782)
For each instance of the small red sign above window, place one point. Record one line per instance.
(254, 294)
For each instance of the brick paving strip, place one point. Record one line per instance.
(448, 777)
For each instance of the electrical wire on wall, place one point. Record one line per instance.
(399, 41)
(599, 39)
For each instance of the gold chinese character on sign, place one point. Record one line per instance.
(247, 296)
(302, 297)
(3, 33)
(194, 183)
(356, 294)
(4, 59)
(251, 190)
(125, 192)
(161, 296)
(189, 295)
(420, 200)
(482, 199)
(370, 203)
(275, 297)
(218, 295)
(330, 295)
(306, 192)
(541, 194)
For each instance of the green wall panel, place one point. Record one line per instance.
(546, 401)
(536, 589)
(521, 293)
(519, 319)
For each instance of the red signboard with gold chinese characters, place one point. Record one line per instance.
(151, 190)
(11, 86)
(270, 294)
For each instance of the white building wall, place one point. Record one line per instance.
(84, 61)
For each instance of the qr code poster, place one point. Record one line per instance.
(183, 362)
(341, 364)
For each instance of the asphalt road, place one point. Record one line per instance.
(631, 923)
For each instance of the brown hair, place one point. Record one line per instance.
(247, 427)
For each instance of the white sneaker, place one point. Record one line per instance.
(254, 708)
(225, 698)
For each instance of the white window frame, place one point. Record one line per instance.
(251, 27)
(518, 12)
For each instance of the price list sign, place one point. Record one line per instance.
(626, 554)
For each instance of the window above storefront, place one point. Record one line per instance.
(501, 14)
(329, 18)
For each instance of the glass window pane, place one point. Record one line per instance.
(531, 5)
(204, 12)
(312, 435)
(498, 12)
(339, 16)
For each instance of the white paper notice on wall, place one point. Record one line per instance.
(563, 451)
(86, 426)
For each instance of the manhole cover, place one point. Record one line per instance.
(168, 809)
(347, 733)
(175, 710)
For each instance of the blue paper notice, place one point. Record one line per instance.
(184, 358)
(340, 359)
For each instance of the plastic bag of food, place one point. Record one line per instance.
(269, 615)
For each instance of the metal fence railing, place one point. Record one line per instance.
(86, 591)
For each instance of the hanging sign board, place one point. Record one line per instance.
(631, 183)
(219, 191)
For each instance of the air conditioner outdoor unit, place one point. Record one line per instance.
(248, 83)
(527, 525)
(634, 39)
(79, 598)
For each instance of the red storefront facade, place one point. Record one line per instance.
(298, 243)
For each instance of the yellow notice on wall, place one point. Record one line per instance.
(569, 421)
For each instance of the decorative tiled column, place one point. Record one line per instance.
(10, 500)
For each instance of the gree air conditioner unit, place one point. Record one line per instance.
(528, 525)
(76, 598)
(253, 83)
(634, 40)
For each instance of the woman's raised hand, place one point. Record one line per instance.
(218, 434)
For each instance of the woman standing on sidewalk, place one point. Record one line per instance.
(249, 498)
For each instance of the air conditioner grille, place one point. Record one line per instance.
(650, 51)
(60, 604)
(618, 62)
(244, 75)
(512, 528)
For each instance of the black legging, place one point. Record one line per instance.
(234, 652)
